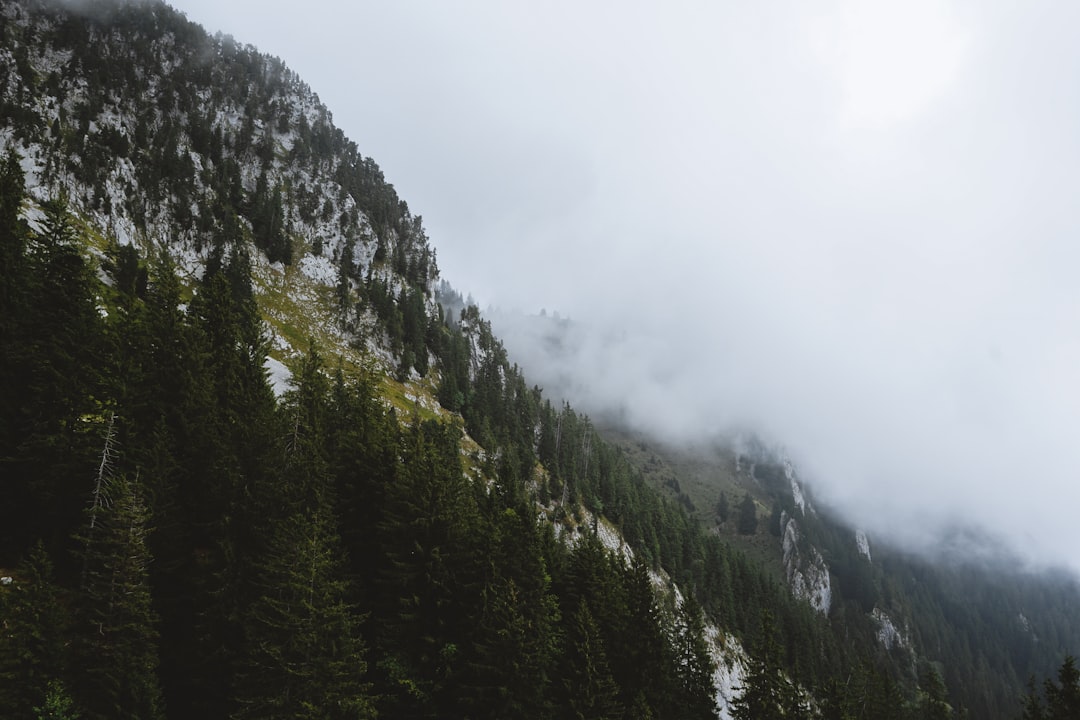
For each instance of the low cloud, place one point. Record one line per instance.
(852, 229)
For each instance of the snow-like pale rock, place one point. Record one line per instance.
(279, 375)
(863, 543)
(796, 489)
(730, 659)
(808, 577)
(888, 634)
(319, 269)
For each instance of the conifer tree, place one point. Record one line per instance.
(723, 508)
(589, 689)
(50, 444)
(933, 704)
(14, 236)
(880, 697)
(766, 693)
(645, 655)
(515, 645)
(1034, 709)
(57, 705)
(363, 449)
(33, 635)
(116, 653)
(747, 521)
(429, 580)
(1063, 697)
(693, 664)
(304, 657)
(834, 702)
(239, 441)
(16, 360)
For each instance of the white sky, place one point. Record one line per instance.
(850, 224)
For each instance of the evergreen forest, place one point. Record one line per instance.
(400, 525)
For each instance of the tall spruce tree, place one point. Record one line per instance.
(54, 389)
(430, 577)
(15, 358)
(645, 656)
(1064, 699)
(304, 657)
(693, 664)
(514, 646)
(589, 689)
(767, 693)
(116, 649)
(33, 635)
(240, 443)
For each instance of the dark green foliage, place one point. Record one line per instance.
(304, 657)
(303, 653)
(430, 575)
(767, 693)
(865, 693)
(694, 666)
(50, 386)
(723, 508)
(748, 521)
(116, 650)
(268, 227)
(933, 704)
(1034, 707)
(33, 635)
(1061, 698)
(16, 356)
(515, 643)
(58, 704)
(589, 689)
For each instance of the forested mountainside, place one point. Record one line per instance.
(397, 524)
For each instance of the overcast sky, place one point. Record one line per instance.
(853, 225)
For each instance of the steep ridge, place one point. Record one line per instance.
(162, 138)
(968, 617)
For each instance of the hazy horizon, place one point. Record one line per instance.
(851, 227)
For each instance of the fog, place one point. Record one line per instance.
(849, 226)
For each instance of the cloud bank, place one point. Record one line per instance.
(851, 226)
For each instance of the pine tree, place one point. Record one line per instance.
(52, 387)
(1034, 709)
(1063, 697)
(747, 522)
(933, 705)
(514, 647)
(645, 658)
(240, 455)
(178, 445)
(767, 694)
(589, 689)
(33, 635)
(693, 664)
(58, 704)
(14, 299)
(723, 508)
(304, 656)
(116, 650)
(834, 702)
(429, 582)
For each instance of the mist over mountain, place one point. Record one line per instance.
(260, 459)
(654, 375)
(848, 227)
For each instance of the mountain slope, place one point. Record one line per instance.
(342, 544)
